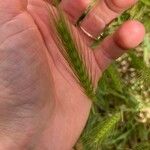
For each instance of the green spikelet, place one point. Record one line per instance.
(143, 146)
(143, 70)
(70, 49)
(93, 139)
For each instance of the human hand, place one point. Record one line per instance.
(42, 106)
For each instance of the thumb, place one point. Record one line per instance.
(11, 8)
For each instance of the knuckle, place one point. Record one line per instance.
(119, 5)
(75, 8)
(122, 3)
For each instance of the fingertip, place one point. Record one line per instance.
(130, 34)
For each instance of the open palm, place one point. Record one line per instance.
(42, 106)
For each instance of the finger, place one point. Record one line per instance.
(9, 9)
(129, 35)
(102, 14)
(74, 9)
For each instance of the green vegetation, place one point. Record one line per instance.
(121, 120)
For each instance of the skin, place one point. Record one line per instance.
(42, 107)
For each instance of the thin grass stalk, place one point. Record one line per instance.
(70, 49)
(94, 138)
